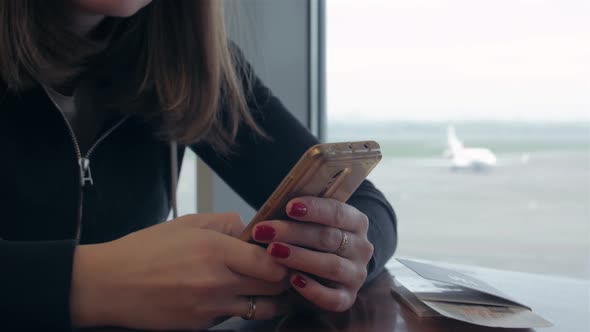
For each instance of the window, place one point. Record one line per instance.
(510, 77)
(187, 185)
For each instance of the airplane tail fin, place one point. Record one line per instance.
(453, 142)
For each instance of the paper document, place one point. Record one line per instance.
(508, 317)
(456, 295)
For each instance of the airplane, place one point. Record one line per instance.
(467, 157)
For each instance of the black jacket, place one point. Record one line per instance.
(42, 197)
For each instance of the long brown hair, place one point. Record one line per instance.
(174, 54)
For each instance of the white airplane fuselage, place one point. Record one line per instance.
(467, 157)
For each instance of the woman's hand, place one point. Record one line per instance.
(183, 274)
(327, 240)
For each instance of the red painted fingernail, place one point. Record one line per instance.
(299, 281)
(298, 209)
(280, 251)
(264, 233)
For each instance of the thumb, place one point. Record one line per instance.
(229, 223)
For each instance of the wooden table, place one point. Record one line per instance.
(563, 301)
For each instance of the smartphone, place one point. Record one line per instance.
(332, 170)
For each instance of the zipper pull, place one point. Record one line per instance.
(85, 173)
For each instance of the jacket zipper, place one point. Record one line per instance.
(85, 173)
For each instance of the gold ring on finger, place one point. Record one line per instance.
(343, 244)
(251, 309)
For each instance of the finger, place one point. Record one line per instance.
(249, 286)
(252, 261)
(331, 299)
(266, 307)
(324, 265)
(328, 212)
(313, 236)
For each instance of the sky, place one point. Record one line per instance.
(433, 60)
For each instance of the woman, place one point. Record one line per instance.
(92, 93)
